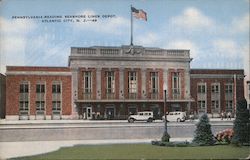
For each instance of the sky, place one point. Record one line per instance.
(215, 31)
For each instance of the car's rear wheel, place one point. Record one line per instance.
(131, 120)
(178, 119)
(150, 120)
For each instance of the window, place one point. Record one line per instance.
(132, 85)
(56, 96)
(87, 88)
(215, 104)
(215, 88)
(201, 104)
(229, 104)
(154, 84)
(201, 88)
(40, 97)
(176, 83)
(24, 96)
(110, 84)
(229, 88)
(56, 88)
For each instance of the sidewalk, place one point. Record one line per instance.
(28, 148)
(80, 121)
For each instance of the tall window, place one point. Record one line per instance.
(201, 88)
(154, 85)
(229, 88)
(110, 84)
(40, 97)
(215, 88)
(87, 84)
(24, 97)
(176, 85)
(132, 84)
(56, 96)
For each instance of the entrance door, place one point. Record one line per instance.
(87, 112)
(110, 112)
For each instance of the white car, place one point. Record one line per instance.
(141, 116)
(175, 117)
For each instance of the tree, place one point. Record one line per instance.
(203, 133)
(241, 124)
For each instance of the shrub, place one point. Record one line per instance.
(225, 135)
(203, 133)
(241, 124)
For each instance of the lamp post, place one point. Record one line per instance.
(165, 101)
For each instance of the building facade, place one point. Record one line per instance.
(38, 93)
(114, 82)
(216, 90)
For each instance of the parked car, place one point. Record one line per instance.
(141, 116)
(175, 117)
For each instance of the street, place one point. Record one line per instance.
(99, 130)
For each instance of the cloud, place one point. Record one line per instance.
(185, 44)
(226, 47)
(149, 39)
(113, 26)
(192, 18)
(13, 49)
(16, 26)
(13, 41)
(241, 24)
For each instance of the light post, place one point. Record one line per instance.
(165, 101)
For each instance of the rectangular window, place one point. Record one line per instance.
(132, 84)
(201, 104)
(24, 96)
(87, 87)
(56, 96)
(201, 88)
(40, 97)
(229, 88)
(215, 88)
(110, 82)
(229, 104)
(154, 84)
(215, 104)
(176, 85)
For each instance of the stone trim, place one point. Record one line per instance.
(45, 73)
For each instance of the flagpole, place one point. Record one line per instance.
(131, 29)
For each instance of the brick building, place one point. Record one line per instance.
(216, 90)
(38, 92)
(113, 82)
(2, 95)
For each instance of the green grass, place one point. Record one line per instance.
(145, 151)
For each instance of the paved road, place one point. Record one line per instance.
(99, 130)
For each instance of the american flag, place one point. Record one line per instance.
(139, 13)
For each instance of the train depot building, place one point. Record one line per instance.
(114, 82)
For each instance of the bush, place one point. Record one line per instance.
(241, 124)
(225, 136)
(203, 133)
(171, 144)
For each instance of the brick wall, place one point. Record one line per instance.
(13, 88)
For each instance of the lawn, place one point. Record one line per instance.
(145, 151)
